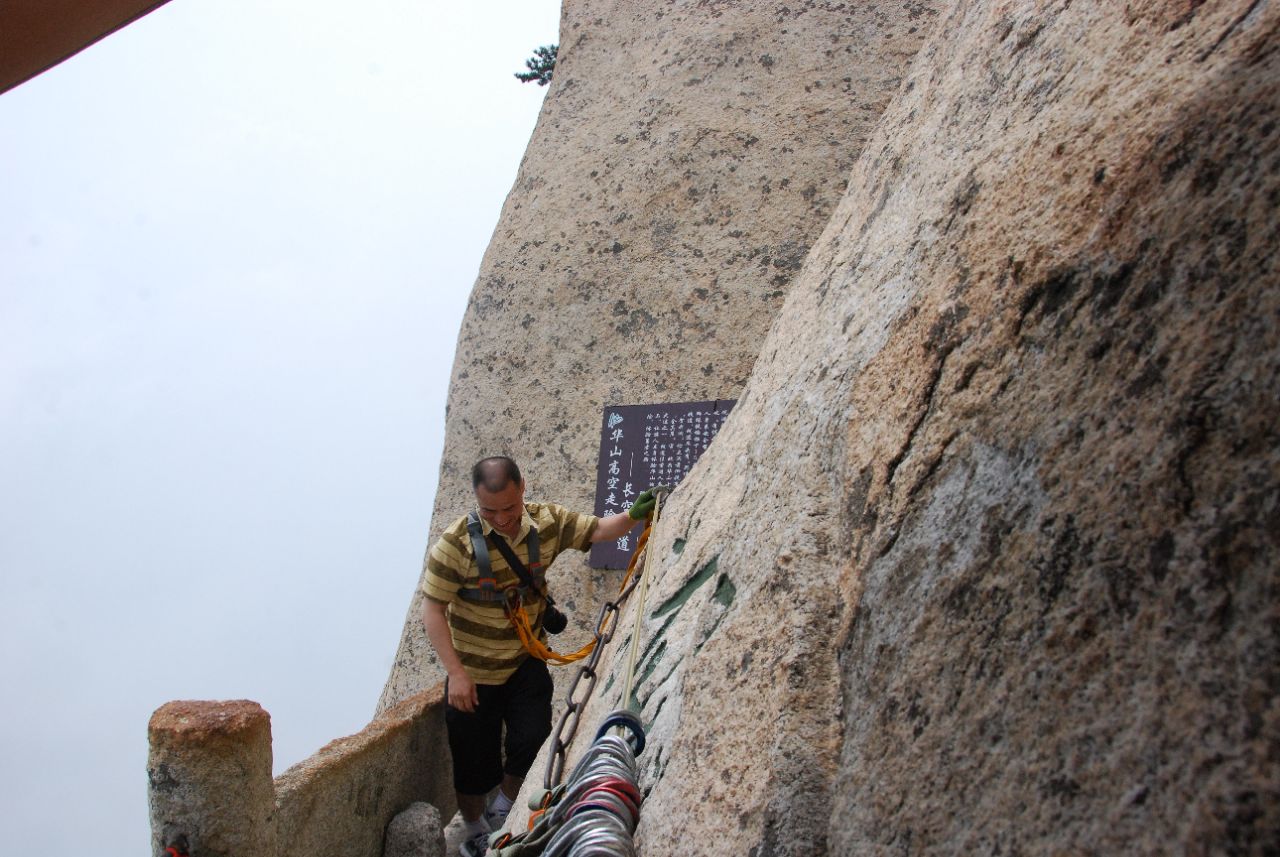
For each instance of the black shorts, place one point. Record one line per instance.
(523, 705)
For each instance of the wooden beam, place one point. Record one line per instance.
(36, 35)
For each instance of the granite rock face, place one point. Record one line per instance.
(209, 778)
(687, 156)
(211, 793)
(985, 559)
(1061, 478)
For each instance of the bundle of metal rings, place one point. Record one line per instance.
(599, 811)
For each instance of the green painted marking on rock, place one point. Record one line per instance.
(658, 639)
(725, 591)
(635, 703)
(675, 602)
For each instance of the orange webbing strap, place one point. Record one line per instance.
(520, 619)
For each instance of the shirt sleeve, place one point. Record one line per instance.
(575, 528)
(445, 563)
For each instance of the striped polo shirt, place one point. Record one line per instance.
(484, 638)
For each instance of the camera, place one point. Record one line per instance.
(553, 621)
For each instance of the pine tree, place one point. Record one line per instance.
(540, 66)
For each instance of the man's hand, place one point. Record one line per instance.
(643, 506)
(462, 689)
(462, 692)
(618, 525)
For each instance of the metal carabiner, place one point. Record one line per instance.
(623, 717)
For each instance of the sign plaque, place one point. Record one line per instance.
(642, 446)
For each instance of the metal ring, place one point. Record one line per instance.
(623, 717)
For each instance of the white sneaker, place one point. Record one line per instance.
(476, 846)
(496, 818)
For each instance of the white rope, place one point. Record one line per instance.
(640, 601)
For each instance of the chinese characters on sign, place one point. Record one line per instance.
(642, 446)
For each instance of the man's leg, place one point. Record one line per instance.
(471, 807)
(527, 714)
(495, 814)
(511, 786)
(475, 741)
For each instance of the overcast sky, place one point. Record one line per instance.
(236, 241)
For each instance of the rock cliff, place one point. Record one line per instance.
(985, 559)
(687, 156)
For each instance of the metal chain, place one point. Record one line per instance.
(606, 624)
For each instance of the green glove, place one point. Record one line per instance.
(643, 506)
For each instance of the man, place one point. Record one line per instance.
(492, 681)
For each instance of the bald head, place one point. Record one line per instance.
(495, 474)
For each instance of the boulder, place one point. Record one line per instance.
(415, 832)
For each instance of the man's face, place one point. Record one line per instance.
(502, 509)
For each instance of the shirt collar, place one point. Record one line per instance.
(526, 524)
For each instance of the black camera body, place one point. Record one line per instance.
(553, 621)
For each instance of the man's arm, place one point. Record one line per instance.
(462, 690)
(612, 527)
(617, 526)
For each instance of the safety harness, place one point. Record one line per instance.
(533, 578)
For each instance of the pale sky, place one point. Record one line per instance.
(236, 241)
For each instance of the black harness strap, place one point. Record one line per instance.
(514, 561)
(481, 551)
(487, 589)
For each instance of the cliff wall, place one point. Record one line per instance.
(686, 157)
(985, 559)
